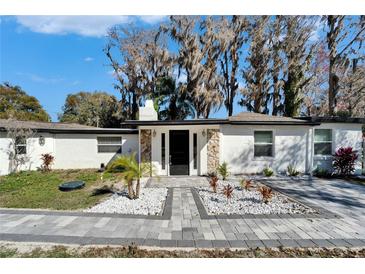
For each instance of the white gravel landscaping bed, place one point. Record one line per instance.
(248, 202)
(151, 201)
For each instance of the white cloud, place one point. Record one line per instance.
(40, 79)
(95, 26)
(88, 59)
(152, 19)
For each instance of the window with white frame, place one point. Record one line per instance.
(322, 141)
(263, 144)
(21, 145)
(109, 144)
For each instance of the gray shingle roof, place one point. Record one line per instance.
(258, 117)
(41, 125)
(60, 127)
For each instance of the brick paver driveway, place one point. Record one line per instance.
(183, 226)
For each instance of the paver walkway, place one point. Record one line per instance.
(186, 228)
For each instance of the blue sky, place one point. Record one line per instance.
(53, 56)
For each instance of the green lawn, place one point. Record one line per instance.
(35, 189)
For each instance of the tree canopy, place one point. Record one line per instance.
(17, 104)
(278, 65)
(97, 109)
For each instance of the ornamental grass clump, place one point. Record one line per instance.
(344, 161)
(268, 172)
(228, 192)
(266, 193)
(292, 171)
(223, 170)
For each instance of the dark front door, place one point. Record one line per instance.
(179, 152)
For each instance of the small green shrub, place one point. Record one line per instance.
(322, 173)
(223, 170)
(268, 172)
(291, 171)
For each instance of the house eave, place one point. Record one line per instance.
(84, 131)
(216, 122)
(333, 119)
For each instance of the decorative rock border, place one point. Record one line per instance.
(166, 213)
(323, 213)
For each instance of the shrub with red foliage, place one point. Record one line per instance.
(47, 161)
(344, 161)
(228, 191)
(213, 182)
(266, 193)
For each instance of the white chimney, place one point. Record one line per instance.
(148, 112)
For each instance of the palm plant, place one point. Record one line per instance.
(130, 171)
(172, 103)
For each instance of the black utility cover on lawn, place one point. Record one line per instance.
(71, 185)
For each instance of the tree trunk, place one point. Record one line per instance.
(130, 190)
(138, 188)
(331, 90)
(134, 107)
(275, 96)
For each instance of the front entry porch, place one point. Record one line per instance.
(189, 150)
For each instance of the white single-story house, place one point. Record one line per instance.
(73, 146)
(247, 142)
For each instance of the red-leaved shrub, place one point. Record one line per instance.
(47, 161)
(344, 161)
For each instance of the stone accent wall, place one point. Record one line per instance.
(146, 145)
(213, 150)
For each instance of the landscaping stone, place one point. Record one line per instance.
(150, 202)
(248, 202)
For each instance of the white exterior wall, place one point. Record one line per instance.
(80, 150)
(343, 135)
(290, 147)
(34, 152)
(71, 151)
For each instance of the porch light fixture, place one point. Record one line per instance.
(41, 140)
(203, 132)
(154, 133)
